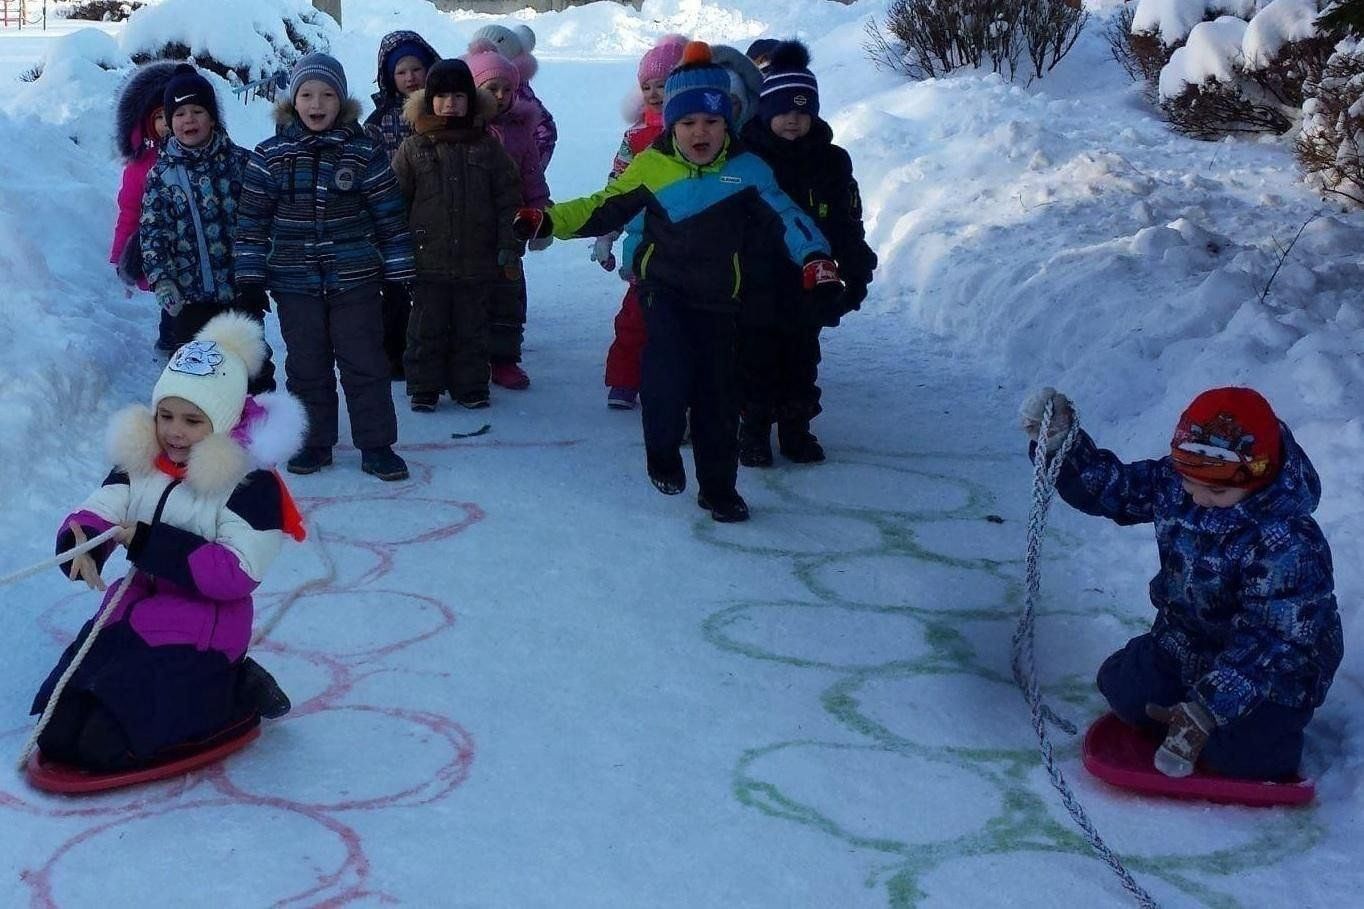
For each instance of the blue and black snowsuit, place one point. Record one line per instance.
(1246, 620)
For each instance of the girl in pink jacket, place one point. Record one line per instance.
(140, 130)
(202, 514)
(515, 125)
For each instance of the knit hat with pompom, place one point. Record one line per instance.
(211, 372)
(696, 86)
(660, 59)
(788, 84)
(486, 62)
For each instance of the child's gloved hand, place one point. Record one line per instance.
(1190, 725)
(821, 281)
(1062, 416)
(602, 253)
(510, 263)
(532, 224)
(83, 567)
(168, 295)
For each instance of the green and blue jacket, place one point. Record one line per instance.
(693, 222)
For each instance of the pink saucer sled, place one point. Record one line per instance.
(1121, 756)
(52, 776)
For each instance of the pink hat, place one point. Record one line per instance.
(486, 63)
(661, 58)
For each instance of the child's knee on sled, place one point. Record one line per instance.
(1136, 676)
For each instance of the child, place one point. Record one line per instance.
(779, 338)
(745, 83)
(188, 222)
(203, 515)
(515, 124)
(404, 59)
(1246, 638)
(323, 224)
(516, 44)
(703, 198)
(140, 131)
(462, 191)
(646, 113)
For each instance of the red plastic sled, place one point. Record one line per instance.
(52, 776)
(1123, 757)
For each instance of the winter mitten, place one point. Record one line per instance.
(129, 267)
(1062, 416)
(602, 253)
(820, 279)
(510, 263)
(168, 295)
(851, 299)
(252, 297)
(532, 224)
(1190, 725)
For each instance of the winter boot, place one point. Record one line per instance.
(622, 398)
(473, 400)
(424, 403)
(667, 473)
(383, 463)
(257, 689)
(309, 460)
(727, 509)
(755, 443)
(510, 375)
(798, 443)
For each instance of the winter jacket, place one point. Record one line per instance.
(817, 175)
(321, 212)
(639, 136)
(140, 95)
(516, 128)
(696, 220)
(386, 123)
(189, 218)
(1244, 598)
(204, 541)
(462, 191)
(546, 132)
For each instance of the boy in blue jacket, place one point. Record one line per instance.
(322, 225)
(1247, 637)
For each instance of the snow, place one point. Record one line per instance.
(1171, 19)
(524, 678)
(1279, 23)
(1213, 51)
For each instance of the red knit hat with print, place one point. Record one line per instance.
(1228, 437)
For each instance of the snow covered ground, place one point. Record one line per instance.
(524, 678)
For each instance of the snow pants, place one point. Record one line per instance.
(1265, 744)
(778, 372)
(397, 309)
(447, 344)
(342, 330)
(506, 318)
(689, 367)
(624, 357)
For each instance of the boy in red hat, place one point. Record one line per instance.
(1247, 637)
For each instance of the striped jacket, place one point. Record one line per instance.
(696, 220)
(189, 218)
(321, 212)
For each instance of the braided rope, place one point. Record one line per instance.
(60, 558)
(1046, 469)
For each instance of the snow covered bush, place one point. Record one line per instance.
(104, 10)
(926, 39)
(260, 39)
(1329, 145)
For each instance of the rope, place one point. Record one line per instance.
(61, 558)
(89, 641)
(1046, 469)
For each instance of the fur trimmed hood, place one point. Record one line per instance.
(270, 431)
(287, 115)
(139, 96)
(423, 121)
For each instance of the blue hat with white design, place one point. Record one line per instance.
(696, 86)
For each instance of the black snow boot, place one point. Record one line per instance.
(798, 443)
(727, 509)
(667, 473)
(755, 443)
(258, 690)
(309, 460)
(383, 463)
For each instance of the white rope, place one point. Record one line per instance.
(60, 558)
(1046, 469)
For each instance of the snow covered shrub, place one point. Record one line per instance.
(926, 39)
(104, 10)
(258, 40)
(1329, 145)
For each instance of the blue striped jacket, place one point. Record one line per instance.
(321, 213)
